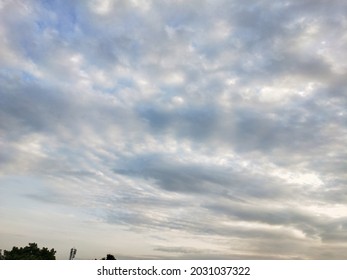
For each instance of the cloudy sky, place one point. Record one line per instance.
(174, 129)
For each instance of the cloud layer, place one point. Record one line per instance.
(199, 129)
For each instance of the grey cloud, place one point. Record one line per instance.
(97, 102)
(27, 104)
(323, 228)
(197, 122)
(182, 250)
(33, 107)
(172, 175)
(292, 127)
(182, 178)
(270, 215)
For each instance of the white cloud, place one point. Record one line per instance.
(221, 124)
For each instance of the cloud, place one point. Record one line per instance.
(217, 126)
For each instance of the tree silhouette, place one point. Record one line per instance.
(30, 252)
(109, 257)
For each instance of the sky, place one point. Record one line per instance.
(201, 129)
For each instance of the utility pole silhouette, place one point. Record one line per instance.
(72, 253)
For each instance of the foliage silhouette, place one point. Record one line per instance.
(109, 257)
(30, 252)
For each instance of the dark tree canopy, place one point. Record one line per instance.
(30, 252)
(109, 257)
